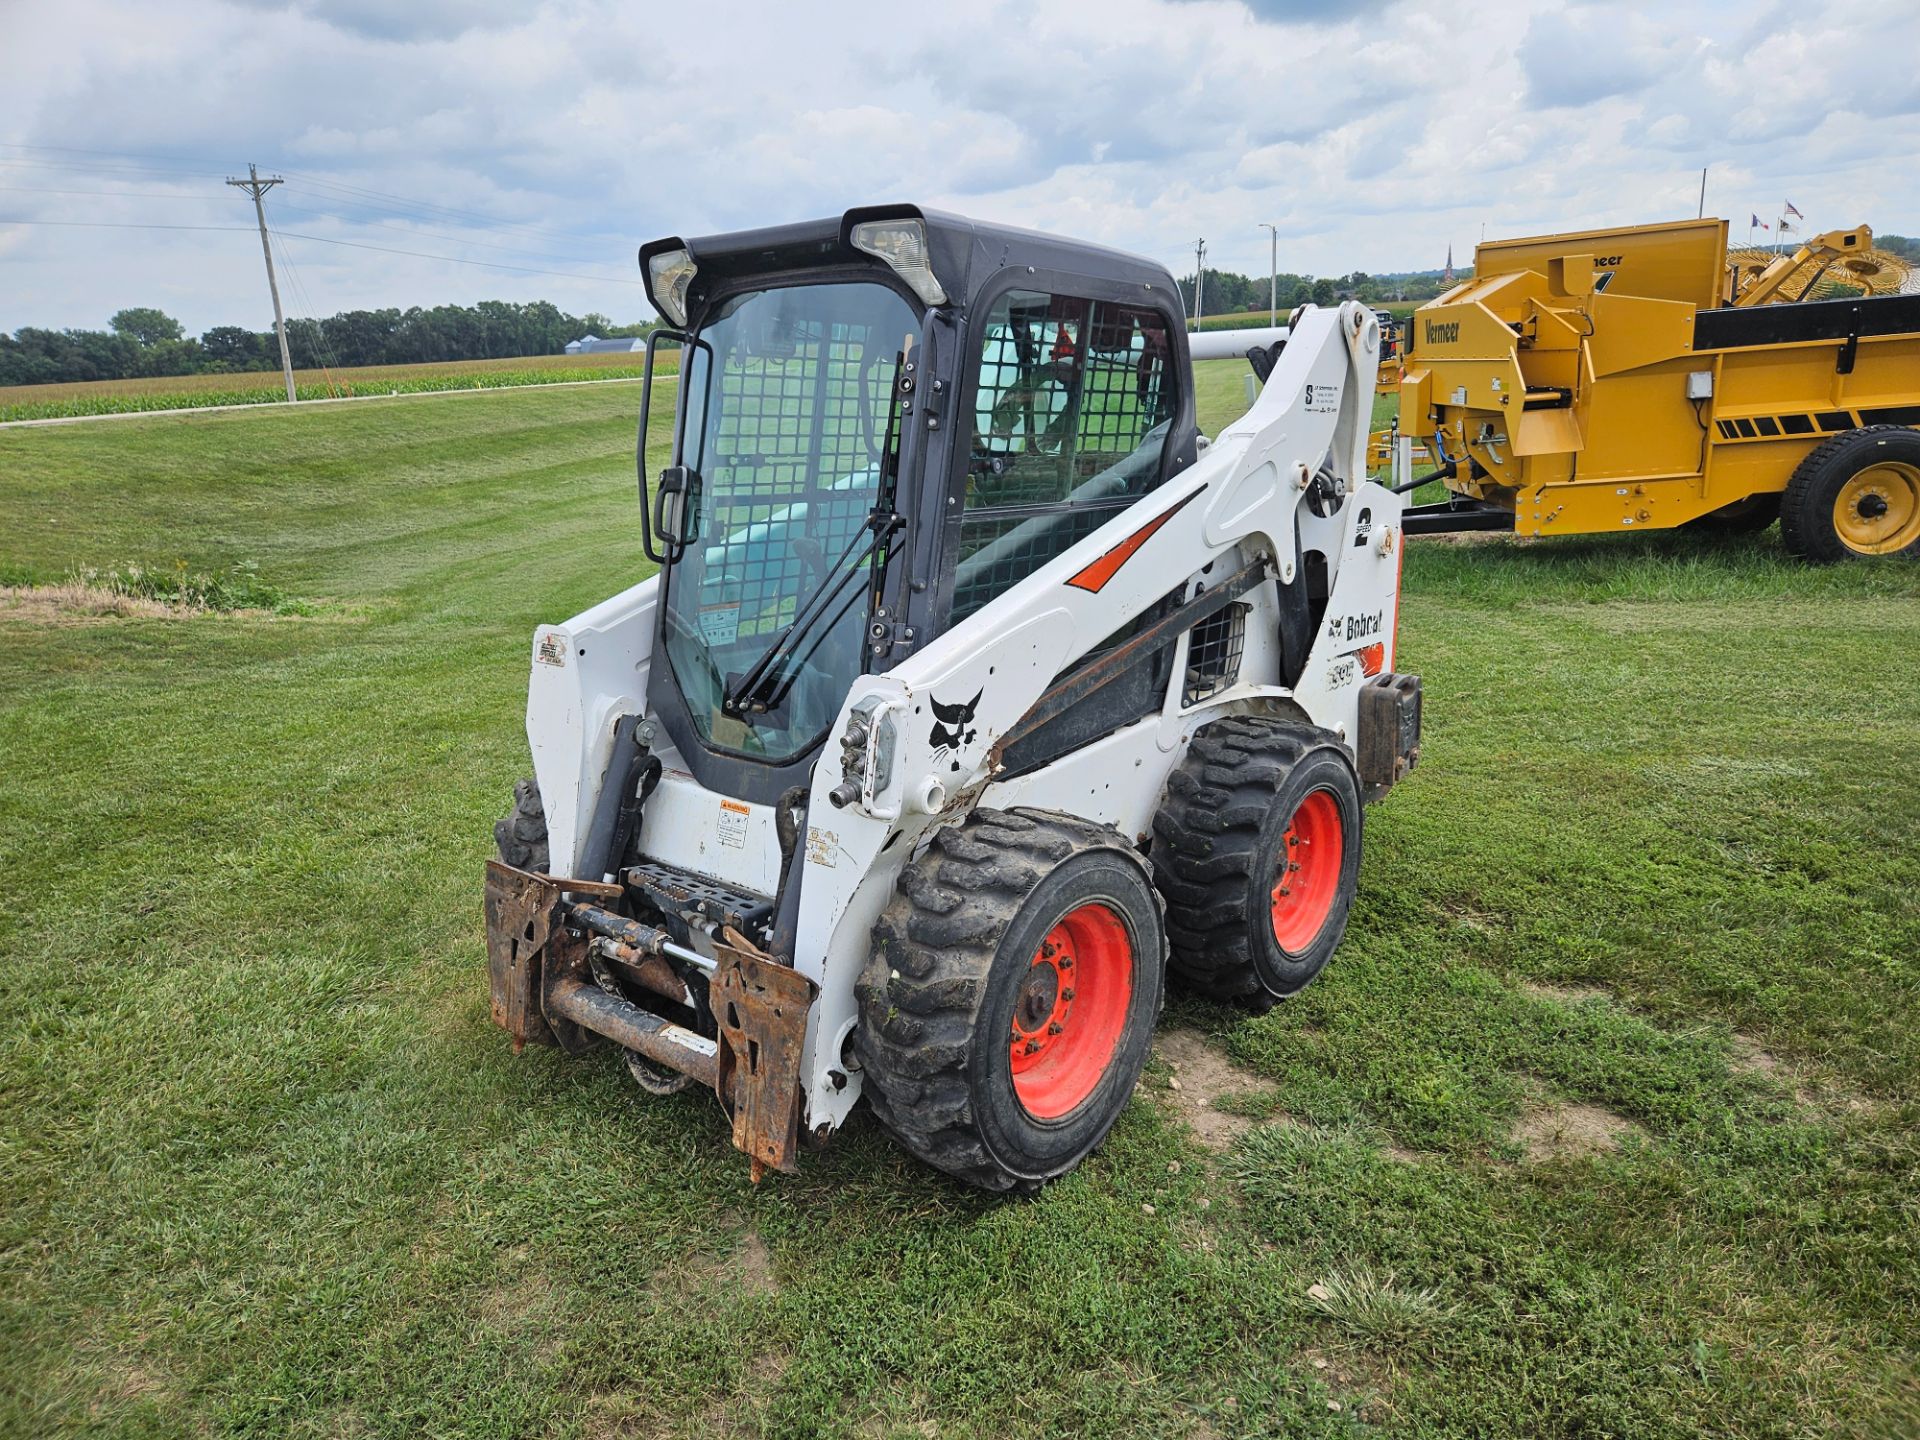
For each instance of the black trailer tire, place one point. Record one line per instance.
(1854, 496)
(1009, 1003)
(1743, 517)
(1250, 797)
(521, 838)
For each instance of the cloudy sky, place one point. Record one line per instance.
(523, 149)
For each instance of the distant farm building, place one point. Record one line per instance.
(594, 345)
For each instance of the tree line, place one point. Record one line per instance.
(1228, 293)
(143, 341)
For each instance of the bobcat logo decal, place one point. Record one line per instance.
(953, 726)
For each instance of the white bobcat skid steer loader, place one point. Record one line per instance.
(975, 694)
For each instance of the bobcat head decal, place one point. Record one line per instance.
(953, 725)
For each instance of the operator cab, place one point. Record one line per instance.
(884, 420)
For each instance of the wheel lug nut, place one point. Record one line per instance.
(1066, 995)
(1054, 1029)
(1032, 1045)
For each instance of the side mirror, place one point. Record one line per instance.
(676, 506)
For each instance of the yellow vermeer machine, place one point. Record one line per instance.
(1635, 378)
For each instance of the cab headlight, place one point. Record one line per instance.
(669, 275)
(903, 245)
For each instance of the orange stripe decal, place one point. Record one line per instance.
(1096, 575)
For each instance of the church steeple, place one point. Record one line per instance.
(1447, 274)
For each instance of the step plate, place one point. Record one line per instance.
(674, 889)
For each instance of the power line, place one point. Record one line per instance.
(126, 194)
(456, 260)
(94, 165)
(129, 225)
(305, 210)
(329, 361)
(438, 234)
(327, 240)
(403, 201)
(111, 154)
(349, 193)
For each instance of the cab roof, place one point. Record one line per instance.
(964, 253)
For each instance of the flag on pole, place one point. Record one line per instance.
(1756, 220)
(1793, 212)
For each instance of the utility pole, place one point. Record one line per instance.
(1199, 280)
(1273, 277)
(257, 187)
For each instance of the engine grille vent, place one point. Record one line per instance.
(1214, 648)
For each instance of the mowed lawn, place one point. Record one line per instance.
(253, 387)
(1601, 1123)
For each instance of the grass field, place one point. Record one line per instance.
(168, 392)
(1602, 1122)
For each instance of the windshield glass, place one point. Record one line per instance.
(788, 394)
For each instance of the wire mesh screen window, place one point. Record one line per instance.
(1214, 650)
(788, 396)
(793, 461)
(1070, 424)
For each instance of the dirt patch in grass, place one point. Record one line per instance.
(749, 1269)
(1360, 1383)
(1564, 994)
(1464, 912)
(745, 1270)
(128, 1382)
(1810, 1090)
(515, 1301)
(879, 1427)
(1751, 1056)
(1564, 1130)
(1201, 1076)
(738, 1410)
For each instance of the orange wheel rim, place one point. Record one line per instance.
(1071, 1010)
(1307, 878)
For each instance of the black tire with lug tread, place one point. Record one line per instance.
(1246, 787)
(959, 980)
(1823, 485)
(521, 838)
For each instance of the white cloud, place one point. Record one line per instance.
(557, 136)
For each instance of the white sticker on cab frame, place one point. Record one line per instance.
(733, 824)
